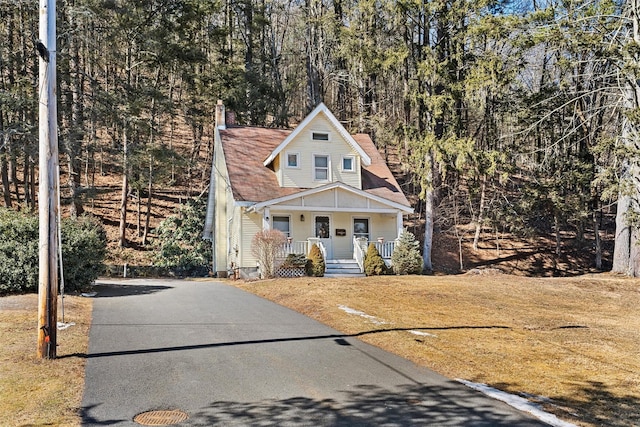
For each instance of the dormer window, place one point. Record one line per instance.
(320, 136)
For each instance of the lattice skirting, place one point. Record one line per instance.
(290, 272)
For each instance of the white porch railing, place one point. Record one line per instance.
(359, 250)
(360, 245)
(386, 248)
(323, 250)
(301, 247)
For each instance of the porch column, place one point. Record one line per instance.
(266, 216)
(399, 223)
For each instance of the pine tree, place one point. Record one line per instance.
(406, 258)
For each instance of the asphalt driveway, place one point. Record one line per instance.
(226, 357)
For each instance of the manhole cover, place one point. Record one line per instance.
(160, 418)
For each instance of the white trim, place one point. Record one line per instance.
(266, 220)
(330, 209)
(393, 206)
(321, 108)
(286, 159)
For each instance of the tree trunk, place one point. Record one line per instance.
(429, 216)
(626, 243)
(139, 214)
(622, 242)
(6, 190)
(597, 240)
(124, 196)
(4, 169)
(480, 218)
(28, 197)
(556, 222)
(147, 220)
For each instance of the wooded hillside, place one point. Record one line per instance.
(502, 119)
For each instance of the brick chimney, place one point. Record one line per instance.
(220, 115)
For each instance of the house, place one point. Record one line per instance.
(315, 183)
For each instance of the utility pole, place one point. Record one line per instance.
(48, 183)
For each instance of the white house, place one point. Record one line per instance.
(315, 183)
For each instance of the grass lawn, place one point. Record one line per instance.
(34, 391)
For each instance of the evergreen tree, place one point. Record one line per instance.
(316, 265)
(374, 264)
(406, 258)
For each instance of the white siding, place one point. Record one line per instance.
(336, 148)
(350, 200)
(251, 224)
(324, 199)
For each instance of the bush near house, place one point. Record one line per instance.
(406, 258)
(84, 246)
(180, 244)
(374, 265)
(316, 265)
(265, 246)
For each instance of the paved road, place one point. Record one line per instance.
(227, 357)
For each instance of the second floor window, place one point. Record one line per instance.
(348, 163)
(321, 168)
(293, 160)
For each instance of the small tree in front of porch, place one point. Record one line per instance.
(374, 264)
(316, 265)
(265, 246)
(406, 258)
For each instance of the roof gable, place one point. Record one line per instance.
(335, 186)
(320, 109)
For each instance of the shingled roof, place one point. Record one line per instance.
(246, 148)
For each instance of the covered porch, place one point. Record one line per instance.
(341, 220)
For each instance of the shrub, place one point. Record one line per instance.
(83, 251)
(295, 260)
(315, 266)
(18, 252)
(84, 246)
(180, 244)
(406, 258)
(374, 265)
(265, 246)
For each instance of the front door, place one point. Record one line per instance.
(323, 232)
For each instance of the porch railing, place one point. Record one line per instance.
(359, 250)
(300, 247)
(386, 248)
(323, 250)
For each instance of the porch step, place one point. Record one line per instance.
(342, 268)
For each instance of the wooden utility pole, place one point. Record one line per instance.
(48, 195)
